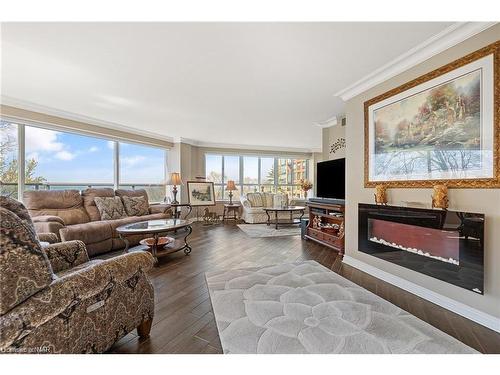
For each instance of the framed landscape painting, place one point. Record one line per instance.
(201, 193)
(442, 127)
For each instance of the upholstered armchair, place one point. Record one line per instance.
(55, 300)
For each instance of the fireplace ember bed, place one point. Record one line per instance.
(447, 245)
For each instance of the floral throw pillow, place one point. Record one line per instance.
(110, 208)
(136, 206)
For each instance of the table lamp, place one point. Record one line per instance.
(231, 187)
(175, 179)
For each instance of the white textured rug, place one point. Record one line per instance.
(264, 230)
(306, 308)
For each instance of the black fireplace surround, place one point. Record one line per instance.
(447, 245)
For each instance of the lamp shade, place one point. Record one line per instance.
(175, 179)
(230, 185)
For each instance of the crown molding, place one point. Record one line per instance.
(449, 37)
(243, 147)
(29, 106)
(332, 121)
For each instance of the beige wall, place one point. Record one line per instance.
(475, 200)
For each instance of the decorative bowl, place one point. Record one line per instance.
(162, 241)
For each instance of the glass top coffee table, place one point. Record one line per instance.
(178, 231)
(290, 209)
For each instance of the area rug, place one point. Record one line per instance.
(264, 230)
(306, 308)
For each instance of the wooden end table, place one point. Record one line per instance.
(228, 208)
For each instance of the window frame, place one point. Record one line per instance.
(21, 154)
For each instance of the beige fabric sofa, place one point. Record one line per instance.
(74, 216)
(254, 204)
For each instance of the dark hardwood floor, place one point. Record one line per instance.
(184, 322)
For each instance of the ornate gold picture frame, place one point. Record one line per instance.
(440, 128)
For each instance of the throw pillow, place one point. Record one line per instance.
(24, 267)
(135, 206)
(255, 199)
(267, 199)
(110, 208)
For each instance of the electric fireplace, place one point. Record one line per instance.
(447, 245)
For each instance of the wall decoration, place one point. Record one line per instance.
(441, 128)
(380, 194)
(337, 145)
(201, 193)
(440, 197)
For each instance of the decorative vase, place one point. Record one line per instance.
(440, 197)
(380, 194)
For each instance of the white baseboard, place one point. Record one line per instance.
(457, 307)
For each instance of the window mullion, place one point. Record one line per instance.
(276, 174)
(21, 164)
(222, 178)
(241, 175)
(259, 168)
(116, 165)
(165, 173)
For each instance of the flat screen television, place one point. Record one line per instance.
(331, 179)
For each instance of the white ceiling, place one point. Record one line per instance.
(250, 84)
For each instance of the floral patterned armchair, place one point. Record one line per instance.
(53, 299)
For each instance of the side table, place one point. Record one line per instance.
(228, 208)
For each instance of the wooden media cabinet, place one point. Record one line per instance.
(326, 224)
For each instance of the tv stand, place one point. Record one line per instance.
(333, 201)
(326, 223)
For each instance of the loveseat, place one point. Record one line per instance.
(74, 216)
(254, 203)
(53, 299)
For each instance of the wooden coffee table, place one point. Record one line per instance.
(290, 209)
(177, 228)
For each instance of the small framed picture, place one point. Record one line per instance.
(201, 193)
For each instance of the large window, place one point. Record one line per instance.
(55, 160)
(254, 173)
(143, 167)
(59, 160)
(250, 174)
(213, 171)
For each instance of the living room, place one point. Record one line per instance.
(244, 188)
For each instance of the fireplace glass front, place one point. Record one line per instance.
(447, 245)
